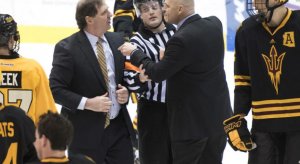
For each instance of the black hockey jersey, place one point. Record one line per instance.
(267, 73)
(73, 159)
(16, 136)
(125, 19)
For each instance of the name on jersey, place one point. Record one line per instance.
(7, 129)
(11, 79)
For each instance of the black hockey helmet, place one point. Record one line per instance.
(137, 5)
(258, 14)
(8, 29)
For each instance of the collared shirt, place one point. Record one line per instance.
(115, 108)
(183, 20)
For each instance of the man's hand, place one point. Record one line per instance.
(127, 48)
(238, 134)
(122, 94)
(99, 103)
(142, 76)
(161, 53)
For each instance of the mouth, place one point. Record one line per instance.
(152, 18)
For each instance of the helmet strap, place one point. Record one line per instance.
(271, 10)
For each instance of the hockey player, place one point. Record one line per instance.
(16, 136)
(24, 83)
(52, 137)
(125, 19)
(151, 37)
(267, 82)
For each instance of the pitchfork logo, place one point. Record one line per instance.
(274, 66)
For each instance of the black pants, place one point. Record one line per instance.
(115, 148)
(203, 151)
(153, 132)
(275, 148)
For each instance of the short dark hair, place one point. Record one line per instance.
(57, 128)
(86, 8)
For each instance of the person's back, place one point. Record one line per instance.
(16, 136)
(25, 79)
(24, 83)
(204, 66)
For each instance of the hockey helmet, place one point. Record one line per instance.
(137, 5)
(8, 28)
(258, 9)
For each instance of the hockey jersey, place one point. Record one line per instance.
(16, 136)
(267, 73)
(24, 84)
(72, 159)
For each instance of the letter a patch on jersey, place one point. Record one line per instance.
(289, 39)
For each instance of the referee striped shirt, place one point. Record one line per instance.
(150, 43)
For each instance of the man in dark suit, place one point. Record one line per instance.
(197, 93)
(90, 91)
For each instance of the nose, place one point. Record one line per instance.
(109, 14)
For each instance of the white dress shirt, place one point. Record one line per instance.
(115, 108)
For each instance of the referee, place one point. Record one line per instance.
(151, 38)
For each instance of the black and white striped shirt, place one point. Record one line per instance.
(150, 44)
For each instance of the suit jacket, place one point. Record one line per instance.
(76, 73)
(197, 93)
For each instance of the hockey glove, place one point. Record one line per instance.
(238, 134)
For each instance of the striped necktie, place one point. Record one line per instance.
(103, 66)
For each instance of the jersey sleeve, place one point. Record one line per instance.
(242, 91)
(131, 78)
(44, 99)
(124, 15)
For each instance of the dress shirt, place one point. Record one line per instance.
(115, 108)
(183, 20)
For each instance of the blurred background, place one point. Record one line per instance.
(42, 23)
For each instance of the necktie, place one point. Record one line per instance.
(102, 63)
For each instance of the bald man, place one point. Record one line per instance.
(197, 91)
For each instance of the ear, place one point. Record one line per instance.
(89, 20)
(180, 9)
(44, 140)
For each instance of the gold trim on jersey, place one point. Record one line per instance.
(242, 80)
(277, 108)
(120, 12)
(57, 160)
(274, 66)
(281, 25)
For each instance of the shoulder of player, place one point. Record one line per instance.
(31, 62)
(248, 24)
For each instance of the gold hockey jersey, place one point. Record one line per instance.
(24, 84)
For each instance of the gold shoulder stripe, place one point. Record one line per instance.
(120, 11)
(286, 115)
(242, 84)
(277, 101)
(242, 77)
(57, 160)
(125, 14)
(279, 108)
